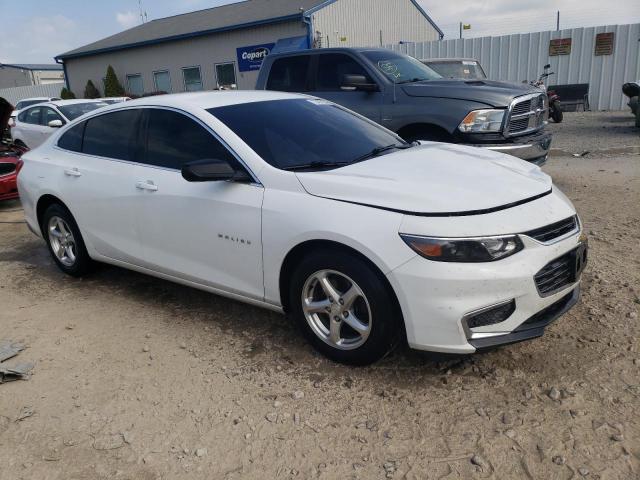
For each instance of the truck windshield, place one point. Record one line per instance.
(400, 68)
(306, 134)
(467, 69)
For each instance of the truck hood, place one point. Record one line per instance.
(434, 179)
(494, 94)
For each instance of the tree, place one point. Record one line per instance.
(66, 94)
(90, 91)
(112, 86)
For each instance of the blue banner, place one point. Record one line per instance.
(250, 58)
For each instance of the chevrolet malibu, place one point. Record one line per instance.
(298, 205)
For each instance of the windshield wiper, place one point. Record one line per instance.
(308, 166)
(380, 150)
(411, 81)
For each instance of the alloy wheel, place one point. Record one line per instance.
(336, 309)
(62, 242)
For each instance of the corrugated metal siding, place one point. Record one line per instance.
(173, 56)
(15, 94)
(521, 57)
(361, 21)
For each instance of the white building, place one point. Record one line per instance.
(28, 74)
(224, 46)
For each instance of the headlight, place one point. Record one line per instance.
(465, 250)
(481, 121)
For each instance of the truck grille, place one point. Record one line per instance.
(555, 230)
(527, 114)
(7, 168)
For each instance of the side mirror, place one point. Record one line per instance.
(55, 123)
(211, 170)
(357, 82)
(548, 65)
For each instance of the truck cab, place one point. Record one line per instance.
(411, 99)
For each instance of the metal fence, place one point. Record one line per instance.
(15, 94)
(521, 57)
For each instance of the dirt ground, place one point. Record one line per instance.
(137, 378)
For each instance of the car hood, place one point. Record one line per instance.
(495, 94)
(436, 179)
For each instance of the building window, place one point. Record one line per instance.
(162, 81)
(135, 85)
(226, 75)
(192, 79)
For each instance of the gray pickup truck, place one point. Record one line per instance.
(411, 99)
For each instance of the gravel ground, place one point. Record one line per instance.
(137, 378)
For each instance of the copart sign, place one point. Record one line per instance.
(250, 58)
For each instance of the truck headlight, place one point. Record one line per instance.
(464, 250)
(482, 121)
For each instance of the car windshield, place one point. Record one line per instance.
(299, 134)
(400, 68)
(75, 110)
(27, 103)
(467, 69)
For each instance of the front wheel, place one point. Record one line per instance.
(556, 113)
(344, 308)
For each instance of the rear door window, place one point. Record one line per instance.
(72, 138)
(332, 67)
(289, 74)
(174, 139)
(31, 116)
(112, 135)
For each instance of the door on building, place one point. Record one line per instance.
(327, 74)
(226, 76)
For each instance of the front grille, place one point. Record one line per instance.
(527, 115)
(522, 107)
(561, 272)
(555, 230)
(7, 168)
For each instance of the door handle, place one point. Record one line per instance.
(146, 186)
(72, 172)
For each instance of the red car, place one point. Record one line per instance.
(10, 165)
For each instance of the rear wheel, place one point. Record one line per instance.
(65, 241)
(344, 308)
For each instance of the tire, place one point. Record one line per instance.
(62, 235)
(374, 308)
(557, 114)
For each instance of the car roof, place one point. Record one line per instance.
(44, 99)
(205, 100)
(62, 103)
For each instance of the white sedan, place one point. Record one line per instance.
(298, 205)
(35, 123)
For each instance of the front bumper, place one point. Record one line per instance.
(436, 298)
(532, 148)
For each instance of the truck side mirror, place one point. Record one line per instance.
(357, 82)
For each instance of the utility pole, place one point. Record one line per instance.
(558, 21)
(460, 29)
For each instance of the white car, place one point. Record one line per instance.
(27, 102)
(299, 205)
(36, 123)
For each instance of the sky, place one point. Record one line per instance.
(34, 31)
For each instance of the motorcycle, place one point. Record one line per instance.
(555, 108)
